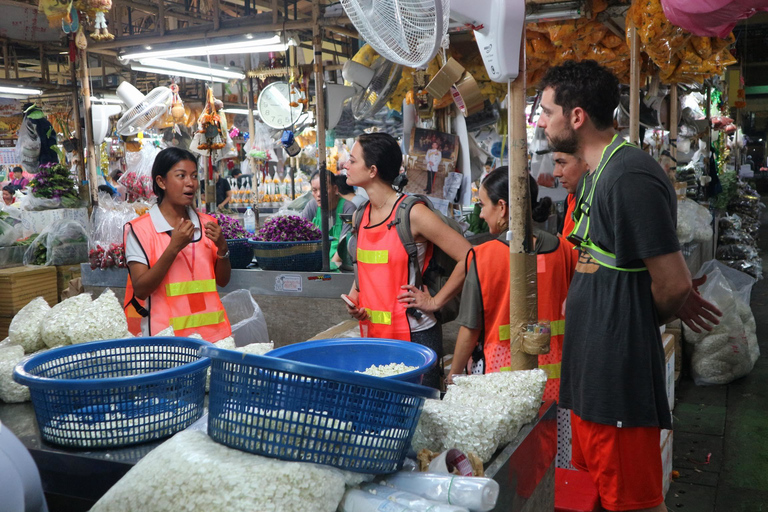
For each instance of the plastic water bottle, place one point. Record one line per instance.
(249, 221)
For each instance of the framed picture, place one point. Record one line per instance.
(431, 157)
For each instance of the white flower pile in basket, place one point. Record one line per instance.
(480, 413)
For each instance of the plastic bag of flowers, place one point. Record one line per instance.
(106, 240)
(10, 391)
(55, 330)
(25, 328)
(192, 472)
(102, 319)
(480, 413)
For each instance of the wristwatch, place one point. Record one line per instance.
(226, 255)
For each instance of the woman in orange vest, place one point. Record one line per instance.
(484, 335)
(176, 257)
(387, 303)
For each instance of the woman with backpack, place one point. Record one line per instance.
(387, 302)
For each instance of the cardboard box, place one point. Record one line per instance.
(19, 285)
(36, 221)
(669, 363)
(64, 274)
(666, 459)
(5, 322)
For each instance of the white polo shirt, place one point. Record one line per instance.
(133, 251)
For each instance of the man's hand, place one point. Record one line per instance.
(696, 310)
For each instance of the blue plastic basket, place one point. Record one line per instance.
(359, 354)
(116, 392)
(295, 256)
(240, 252)
(303, 412)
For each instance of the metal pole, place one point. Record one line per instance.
(252, 161)
(317, 43)
(634, 86)
(522, 263)
(92, 157)
(673, 108)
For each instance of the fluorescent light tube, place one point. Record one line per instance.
(107, 101)
(20, 91)
(272, 44)
(243, 111)
(187, 74)
(193, 66)
(555, 12)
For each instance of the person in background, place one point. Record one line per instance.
(238, 175)
(19, 182)
(432, 158)
(223, 191)
(8, 191)
(387, 304)
(483, 337)
(569, 169)
(348, 192)
(631, 277)
(176, 257)
(337, 206)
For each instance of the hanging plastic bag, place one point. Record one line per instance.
(245, 316)
(106, 248)
(137, 179)
(65, 242)
(28, 145)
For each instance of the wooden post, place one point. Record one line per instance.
(92, 157)
(160, 26)
(317, 44)
(673, 112)
(634, 86)
(522, 263)
(252, 161)
(216, 15)
(79, 130)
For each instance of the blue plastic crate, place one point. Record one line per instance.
(116, 392)
(303, 412)
(359, 354)
(295, 256)
(240, 252)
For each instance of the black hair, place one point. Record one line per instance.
(496, 185)
(9, 188)
(383, 151)
(18, 169)
(344, 188)
(584, 84)
(331, 177)
(164, 160)
(106, 188)
(236, 172)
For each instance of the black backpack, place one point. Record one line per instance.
(440, 266)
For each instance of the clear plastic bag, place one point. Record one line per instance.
(106, 248)
(247, 319)
(28, 145)
(10, 231)
(137, 179)
(65, 242)
(694, 222)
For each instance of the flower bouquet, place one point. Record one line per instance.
(52, 187)
(288, 242)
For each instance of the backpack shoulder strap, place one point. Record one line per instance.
(402, 223)
(357, 219)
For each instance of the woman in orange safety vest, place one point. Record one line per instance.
(176, 257)
(387, 303)
(484, 335)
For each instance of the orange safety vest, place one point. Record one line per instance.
(554, 272)
(382, 268)
(187, 298)
(569, 223)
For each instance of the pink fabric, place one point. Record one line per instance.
(714, 18)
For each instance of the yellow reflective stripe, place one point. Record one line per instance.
(553, 370)
(365, 256)
(504, 332)
(505, 369)
(197, 320)
(557, 327)
(380, 317)
(189, 287)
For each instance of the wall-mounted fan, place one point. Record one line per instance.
(100, 114)
(373, 85)
(142, 110)
(410, 32)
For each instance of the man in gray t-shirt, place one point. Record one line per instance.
(631, 278)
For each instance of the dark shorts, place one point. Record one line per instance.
(431, 338)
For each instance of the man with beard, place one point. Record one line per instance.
(630, 279)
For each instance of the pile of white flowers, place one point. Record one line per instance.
(387, 370)
(480, 413)
(25, 328)
(191, 472)
(104, 319)
(10, 391)
(694, 222)
(114, 427)
(55, 328)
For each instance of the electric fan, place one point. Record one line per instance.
(100, 116)
(373, 85)
(410, 32)
(142, 110)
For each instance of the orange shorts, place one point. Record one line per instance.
(624, 463)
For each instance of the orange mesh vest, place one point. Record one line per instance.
(569, 223)
(554, 272)
(187, 298)
(382, 268)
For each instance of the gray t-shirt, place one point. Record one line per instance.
(613, 360)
